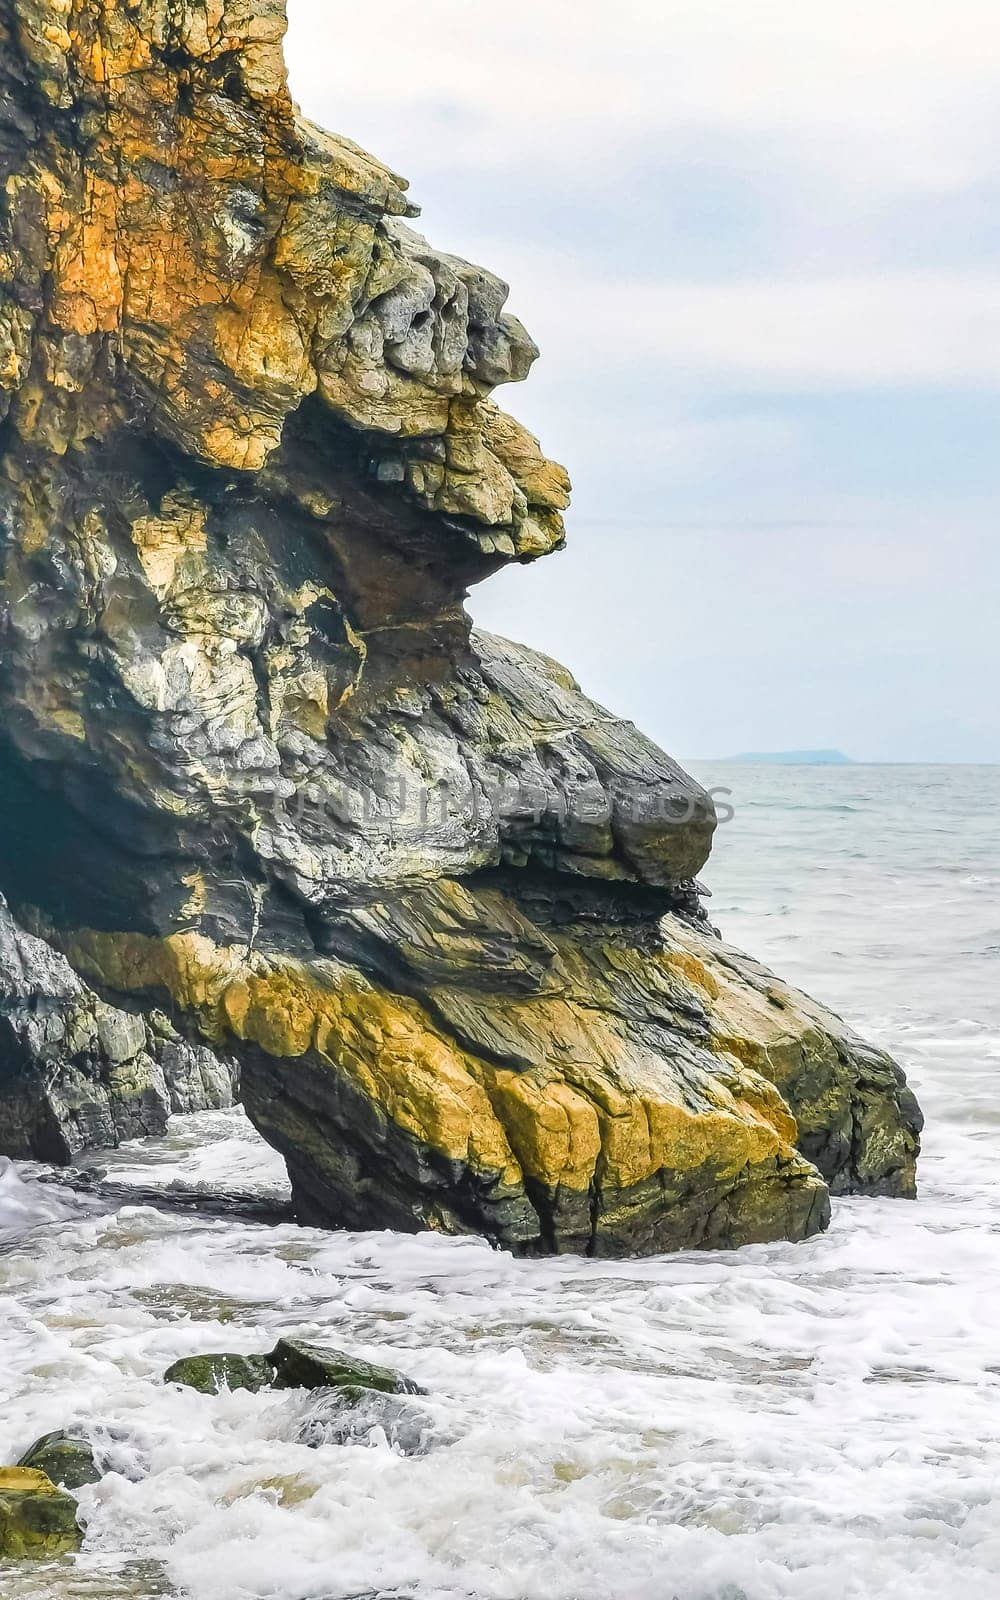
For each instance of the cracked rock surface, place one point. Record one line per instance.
(261, 776)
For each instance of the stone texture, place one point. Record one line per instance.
(211, 1373)
(261, 773)
(78, 1074)
(37, 1520)
(292, 1364)
(67, 1461)
(300, 1365)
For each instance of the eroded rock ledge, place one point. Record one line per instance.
(258, 771)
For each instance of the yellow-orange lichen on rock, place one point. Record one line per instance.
(556, 1124)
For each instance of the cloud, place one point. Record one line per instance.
(903, 92)
(879, 330)
(733, 194)
(758, 242)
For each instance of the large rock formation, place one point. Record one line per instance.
(259, 771)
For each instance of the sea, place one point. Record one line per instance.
(816, 1421)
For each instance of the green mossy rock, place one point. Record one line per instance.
(69, 1462)
(309, 1366)
(292, 1364)
(37, 1520)
(212, 1373)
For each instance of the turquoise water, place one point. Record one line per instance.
(816, 1422)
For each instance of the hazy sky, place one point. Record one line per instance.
(758, 242)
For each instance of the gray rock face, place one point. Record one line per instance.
(368, 1417)
(79, 1074)
(197, 1078)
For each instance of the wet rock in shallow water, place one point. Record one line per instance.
(292, 1364)
(210, 1374)
(68, 1461)
(37, 1520)
(232, 1204)
(368, 1418)
(309, 1366)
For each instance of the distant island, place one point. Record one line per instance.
(790, 758)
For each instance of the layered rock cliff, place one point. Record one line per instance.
(258, 770)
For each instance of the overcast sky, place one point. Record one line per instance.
(758, 242)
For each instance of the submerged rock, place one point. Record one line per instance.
(260, 772)
(233, 1205)
(68, 1461)
(37, 1520)
(368, 1418)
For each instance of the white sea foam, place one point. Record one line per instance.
(202, 1153)
(26, 1205)
(810, 1422)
